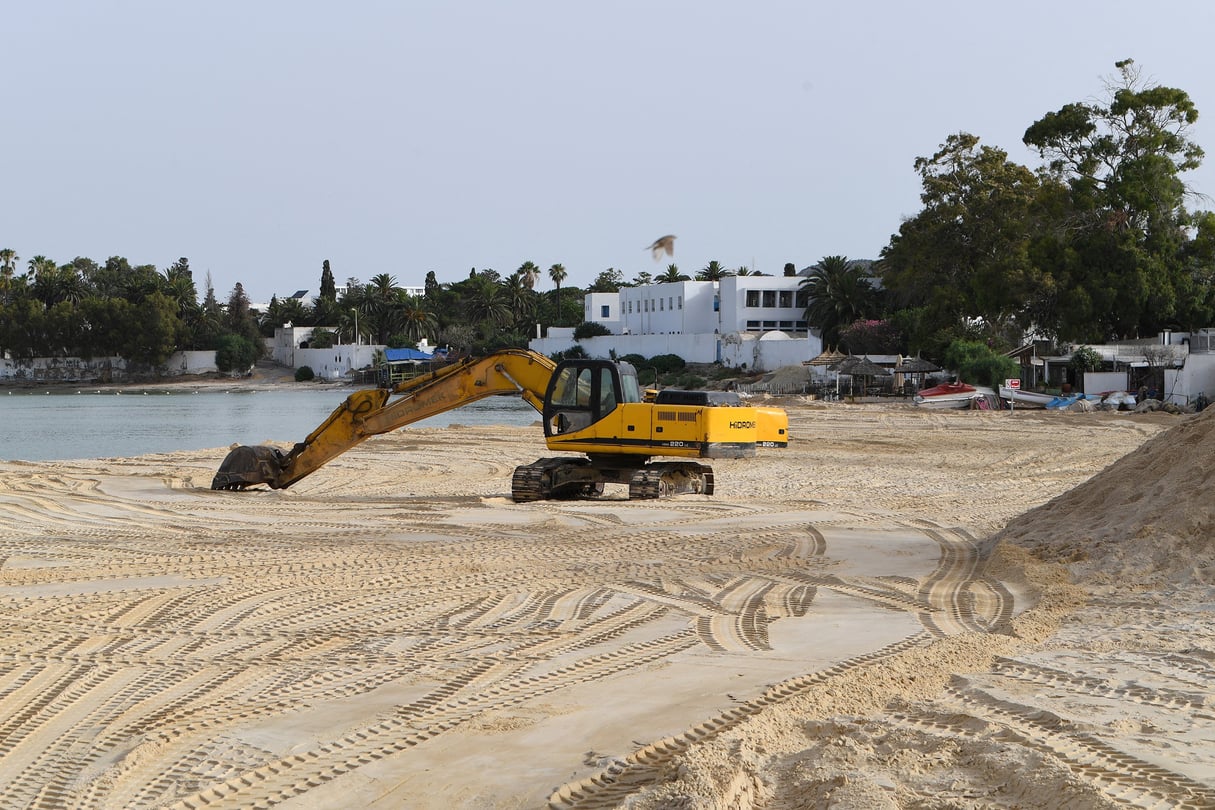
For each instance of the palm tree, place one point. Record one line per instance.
(40, 264)
(671, 274)
(417, 321)
(713, 271)
(520, 298)
(8, 264)
(529, 272)
(487, 304)
(838, 294)
(384, 298)
(557, 274)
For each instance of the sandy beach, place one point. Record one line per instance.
(903, 609)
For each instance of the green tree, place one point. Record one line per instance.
(417, 321)
(713, 271)
(671, 274)
(977, 363)
(328, 284)
(965, 258)
(521, 300)
(239, 317)
(1118, 254)
(235, 354)
(557, 273)
(8, 266)
(529, 272)
(152, 335)
(610, 280)
(837, 294)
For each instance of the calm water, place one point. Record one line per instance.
(66, 425)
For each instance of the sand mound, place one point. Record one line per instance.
(1146, 519)
(788, 377)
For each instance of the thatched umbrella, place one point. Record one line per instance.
(826, 357)
(866, 368)
(844, 364)
(915, 367)
(857, 367)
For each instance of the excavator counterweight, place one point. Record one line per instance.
(591, 408)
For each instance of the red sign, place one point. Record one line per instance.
(1011, 383)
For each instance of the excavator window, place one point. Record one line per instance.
(582, 394)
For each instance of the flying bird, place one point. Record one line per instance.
(663, 243)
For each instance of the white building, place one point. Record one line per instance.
(740, 321)
(291, 347)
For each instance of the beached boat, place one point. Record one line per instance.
(955, 395)
(1032, 399)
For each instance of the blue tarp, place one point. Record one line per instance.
(396, 355)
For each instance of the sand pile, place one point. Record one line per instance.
(1147, 519)
(788, 378)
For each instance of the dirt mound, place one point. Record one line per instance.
(1146, 519)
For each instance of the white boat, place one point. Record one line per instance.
(1033, 399)
(956, 395)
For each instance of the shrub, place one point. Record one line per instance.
(666, 363)
(322, 339)
(304, 374)
(575, 352)
(1085, 358)
(588, 329)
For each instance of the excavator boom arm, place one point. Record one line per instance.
(370, 413)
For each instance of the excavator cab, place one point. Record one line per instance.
(581, 392)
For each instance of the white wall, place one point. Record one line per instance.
(734, 350)
(1098, 382)
(336, 362)
(592, 310)
(107, 369)
(684, 307)
(1182, 386)
(737, 316)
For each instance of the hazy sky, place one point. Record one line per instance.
(260, 138)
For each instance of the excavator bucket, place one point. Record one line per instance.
(249, 465)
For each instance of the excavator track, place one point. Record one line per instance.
(527, 484)
(534, 482)
(557, 477)
(663, 479)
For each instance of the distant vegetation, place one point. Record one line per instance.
(1094, 244)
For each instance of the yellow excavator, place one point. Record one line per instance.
(591, 407)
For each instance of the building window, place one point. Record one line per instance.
(769, 298)
(801, 326)
(786, 298)
(681, 302)
(752, 298)
(802, 299)
(786, 326)
(752, 326)
(670, 303)
(659, 303)
(769, 324)
(605, 311)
